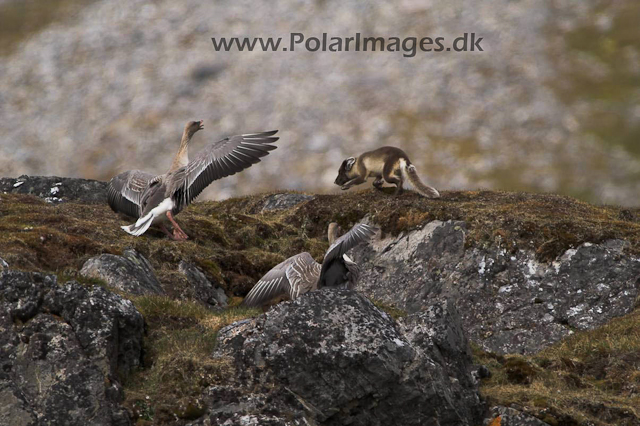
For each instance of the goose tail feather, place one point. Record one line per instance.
(140, 227)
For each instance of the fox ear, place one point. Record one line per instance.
(350, 162)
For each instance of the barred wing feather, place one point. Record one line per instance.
(125, 192)
(293, 277)
(223, 158)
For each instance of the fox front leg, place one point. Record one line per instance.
(355, 181)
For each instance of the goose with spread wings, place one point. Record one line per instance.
(300, 274)
(154, 200)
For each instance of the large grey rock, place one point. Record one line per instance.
(130, 272)
(56, 189)
(510, 302)
(331, 357)
(62, 351)
(203, 289)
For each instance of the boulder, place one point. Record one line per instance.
(131, 272)
(62, 351)
(203, 289)
(284, 201)
(57, 189)
(509, 301)
(332, 357)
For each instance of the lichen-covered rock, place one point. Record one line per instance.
(22, 294)
(331, 356)
(13, 405)
(56, 189)
(511, 417)
(108, 327)
(130, 272)
(62, 350)
(203, 289)
(284, 201)
(509, 302)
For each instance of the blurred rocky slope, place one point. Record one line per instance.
(551, 104)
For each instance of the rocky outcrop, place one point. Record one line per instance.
(510, 302)
(56, 189)
(331, 357)
(202, 288)
(131, 272)
(62, 351)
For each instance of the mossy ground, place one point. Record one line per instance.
(234, 244)
(178, 365)
(591, 378)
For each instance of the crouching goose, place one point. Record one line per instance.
(300, 274)
(156, 199)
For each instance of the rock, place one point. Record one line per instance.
(56, 189)
(13, 405)
(202, 287)
(22, 294)
(104, 323)
(130, 272)
(509, 302)
(62, 351)
(332, 357)
(3, 264)
(511, 417)
(284, 201)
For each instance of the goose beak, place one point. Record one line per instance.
(200, 124)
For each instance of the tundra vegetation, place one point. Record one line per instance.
(590, 378)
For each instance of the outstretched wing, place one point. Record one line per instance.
(224, 158)
(358, 234)
(125, 191)
(293, 277)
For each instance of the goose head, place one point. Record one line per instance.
(193, 126)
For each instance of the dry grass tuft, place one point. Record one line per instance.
(178, 364)
(590, 378)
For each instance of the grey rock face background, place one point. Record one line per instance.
(551, 104)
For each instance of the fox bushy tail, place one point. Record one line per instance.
(410, 174)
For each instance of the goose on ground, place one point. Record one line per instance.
(156, 199)
(300, 274)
